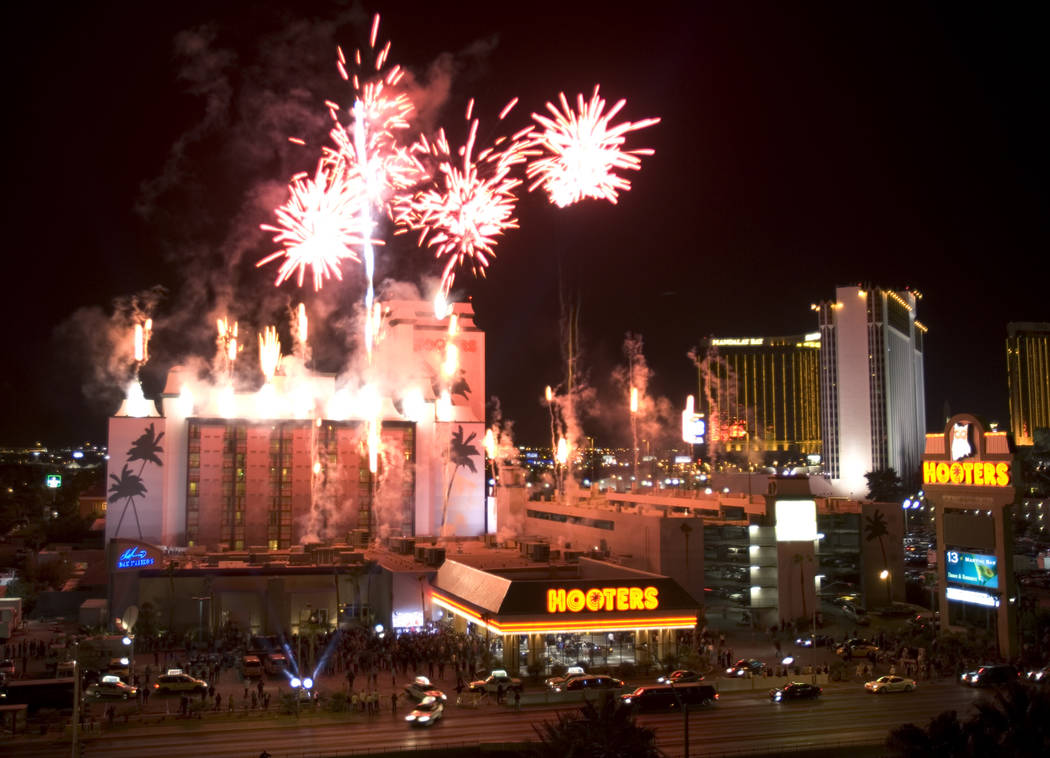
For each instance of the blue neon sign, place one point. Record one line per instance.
(134, 557)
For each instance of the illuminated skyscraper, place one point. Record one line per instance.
(871, 385)
(1028, 376)
(762, 392)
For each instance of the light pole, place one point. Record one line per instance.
(76, 699)
(299, 644)
(200, 617)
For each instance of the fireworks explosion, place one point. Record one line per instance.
(465, 202)
(581, 151)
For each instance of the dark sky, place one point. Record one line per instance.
(800, 149)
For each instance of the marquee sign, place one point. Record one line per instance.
(560, 600)
(967, 473)
(966, 455)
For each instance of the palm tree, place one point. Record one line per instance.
(686, 531)
(1015, 722)
(145, 448)
(127, 486)
(605, 731)
(875, 528)
(460, 453)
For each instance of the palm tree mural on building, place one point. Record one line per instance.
(461, 454)
(876, 528)
(128, 486)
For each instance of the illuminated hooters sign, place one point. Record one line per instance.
(560, 600)
(972, 473)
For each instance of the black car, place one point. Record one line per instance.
(666, 697)
(795, 691)
(990, 675)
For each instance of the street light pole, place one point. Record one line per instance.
(76, 700)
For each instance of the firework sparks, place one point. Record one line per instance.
(581, 151)
(472, 203)
(141, 340)
(318, 226)
(269, 352)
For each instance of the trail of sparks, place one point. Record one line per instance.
(581, 150)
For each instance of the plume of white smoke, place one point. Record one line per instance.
(103, 344)
(720, 400)
(656, 420)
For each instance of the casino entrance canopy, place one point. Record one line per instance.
(591, 596)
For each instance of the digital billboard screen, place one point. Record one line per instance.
(972, 568)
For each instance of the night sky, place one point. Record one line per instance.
(799, 149)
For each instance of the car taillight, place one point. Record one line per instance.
(716, 696)
(156, 686)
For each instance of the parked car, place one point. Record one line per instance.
(7, 667)
(795, 691)
(856, 614)
(252, 667)
(111, 687)
(890, 683)
(745, 667)
(427, 711)
(666, 697)
(990, 675)
(276, 664)
(492, 683)
(681, 675)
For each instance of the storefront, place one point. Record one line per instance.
(591, 611)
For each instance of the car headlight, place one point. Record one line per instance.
(777, 696)
(410, 717)
(423, 718)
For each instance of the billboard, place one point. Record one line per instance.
(971, 568)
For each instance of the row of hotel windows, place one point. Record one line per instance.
(577, 520)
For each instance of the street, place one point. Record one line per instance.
(740, 722)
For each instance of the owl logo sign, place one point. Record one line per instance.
(962, 445)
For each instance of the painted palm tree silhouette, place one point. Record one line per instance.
(127, 486)
(145, 448)
(461, 453)
(875, 528)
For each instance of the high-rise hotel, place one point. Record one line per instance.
(871, 385)
(1028, 375)
(762, 392)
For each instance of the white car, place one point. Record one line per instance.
(111, 686)
(890, 684)
(498, 678)
(420, 687)
(428, 710)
